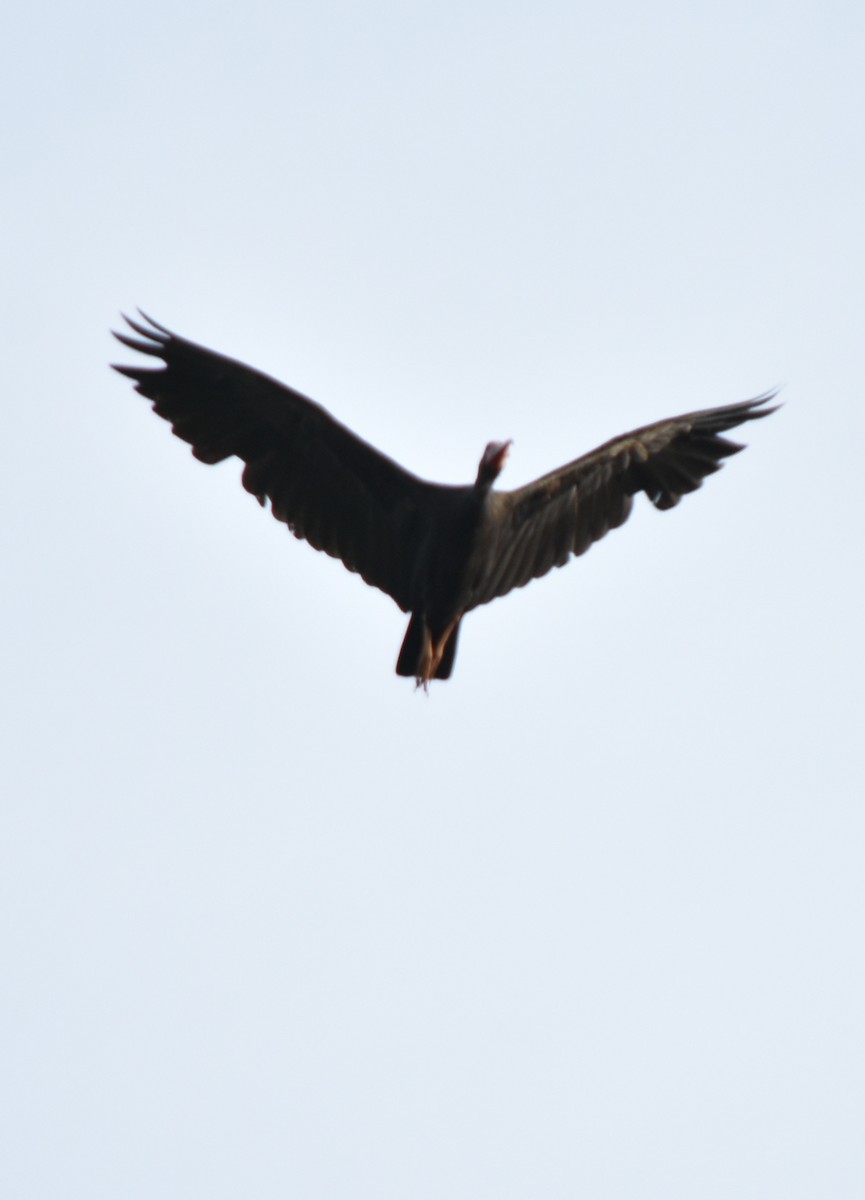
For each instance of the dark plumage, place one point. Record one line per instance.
(438, 551)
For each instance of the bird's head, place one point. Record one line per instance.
(492, 461)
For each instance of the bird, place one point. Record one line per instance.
(438, 550)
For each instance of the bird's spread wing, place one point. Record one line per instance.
(540, 526)
(325, 483)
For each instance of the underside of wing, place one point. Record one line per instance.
(331, 488)
(540, 526)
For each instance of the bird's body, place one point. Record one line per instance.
(438, 551)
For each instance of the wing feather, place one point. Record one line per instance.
(331, 488)
(544, 524)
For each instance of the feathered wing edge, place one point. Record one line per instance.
(545, 523)
(329, 486)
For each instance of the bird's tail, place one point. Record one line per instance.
(425, 657)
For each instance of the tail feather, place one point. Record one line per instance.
(422, 658)
(414, 644)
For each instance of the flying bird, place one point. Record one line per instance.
(437, 550)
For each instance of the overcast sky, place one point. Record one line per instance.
(588, 919)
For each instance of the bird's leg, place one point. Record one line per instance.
(427, 666)
(433, 653)
(437, 649)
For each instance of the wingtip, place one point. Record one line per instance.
(760, 402)
(129, 372)
(152, 330)
(156, 325)
(152, 341)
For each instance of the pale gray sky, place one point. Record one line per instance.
(587, 921)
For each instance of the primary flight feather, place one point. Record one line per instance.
(438, 551)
